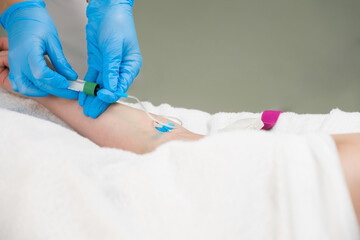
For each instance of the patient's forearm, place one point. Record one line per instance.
(119, 127)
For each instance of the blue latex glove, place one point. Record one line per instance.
(113, 49)
(32, 33)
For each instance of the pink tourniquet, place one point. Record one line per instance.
(269, 118)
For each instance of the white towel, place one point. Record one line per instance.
(55, 184)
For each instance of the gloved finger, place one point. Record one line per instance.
(94, 107)
(111, 67)
(110, 97)
(92, 46)
(27, 88)
(125, 80)
(94, 56)
(57, 57)
(91, 76)
(98, 108)
(4, 44)
(69, 94)
(82, 99)
(107, 96)
(12, 82)
(41, 75)
(63, 93)
(87, 105)
(129, 70)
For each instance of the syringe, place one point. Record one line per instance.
(91, 88)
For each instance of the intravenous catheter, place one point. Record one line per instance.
(91, 89)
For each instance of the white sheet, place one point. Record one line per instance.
(55, 184)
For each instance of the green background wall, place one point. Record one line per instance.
(250, 55)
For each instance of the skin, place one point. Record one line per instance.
(130, 129)
(5, 4)
(348, 146)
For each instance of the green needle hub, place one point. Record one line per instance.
(91, 88)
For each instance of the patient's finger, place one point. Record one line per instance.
(4, 45)
(4, 60)
(4, 52)
(4, 74)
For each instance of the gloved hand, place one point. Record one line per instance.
(113, 49)
(32, 33)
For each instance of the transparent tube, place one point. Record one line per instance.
(175, 119)
(78, 86)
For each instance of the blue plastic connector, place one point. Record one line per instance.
(165, 129)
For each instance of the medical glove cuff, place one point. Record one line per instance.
(7, 15)
(99, 4)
